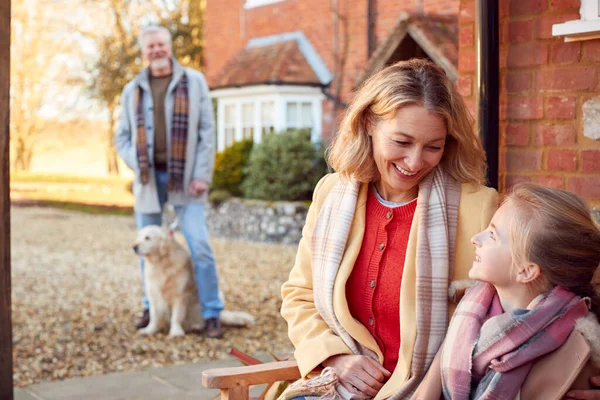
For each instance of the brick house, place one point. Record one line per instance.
(276, 64)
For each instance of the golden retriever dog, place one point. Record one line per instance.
(171, 287)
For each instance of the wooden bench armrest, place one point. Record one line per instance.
(235, 377)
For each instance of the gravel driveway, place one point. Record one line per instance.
(76, 292)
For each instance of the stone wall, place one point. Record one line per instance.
(264, 221)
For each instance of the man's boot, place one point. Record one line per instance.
(213, 328)
(144, 320)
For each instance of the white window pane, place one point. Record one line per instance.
(267, 117)
(248, 114)
(230, 114)
(306, 115)
(248, 132)
(291, 115)
(268, 113)
(229, 136)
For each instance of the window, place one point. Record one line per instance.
(299, 115)
(267, 118)
(587, 27)
(230, 119)
(256, 111)
(248, 120)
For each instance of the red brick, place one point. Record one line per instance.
(526, 7)
(517, 135)
(553, 181)
(503, 9)
(562, 160)
(465, 85)
(591, 50)
(467, 11)
(471, 107)
(465, 38)
(566, 79)
(563, 5)
(563, 53)
(523, 160)
(520, 31)
(503, 57)
(560, 107)
(527, 54)
(524, 108)
(549, 134)
(590, 161)
(586, 186)
(504, 32)
(543, 25)
(518, 82)
(467, 60)
(512, 180)
(503, 107)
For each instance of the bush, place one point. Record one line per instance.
(285, 166)
(229, 167)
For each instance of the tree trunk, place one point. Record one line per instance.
(111, 151)
(23, 155)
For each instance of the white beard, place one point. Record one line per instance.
(161, 63)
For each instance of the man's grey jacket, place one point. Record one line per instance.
(200, 142)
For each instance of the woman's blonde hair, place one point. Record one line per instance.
(418, 82)
(554, 229)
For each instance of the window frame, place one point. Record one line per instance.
(279, 95)
(585, 28)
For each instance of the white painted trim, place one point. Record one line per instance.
(588, 27)
(577, 27)
(265, 90)
(238, 135)
(258, 3)
(221, 124)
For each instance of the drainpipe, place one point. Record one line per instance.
(488, 78)
(370, 38)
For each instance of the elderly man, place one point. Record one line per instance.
(165, 135)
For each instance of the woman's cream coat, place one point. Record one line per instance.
(312, 338)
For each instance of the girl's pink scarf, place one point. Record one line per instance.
(488, 353)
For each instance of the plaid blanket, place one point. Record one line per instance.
(179, 131)
(488, 353)
(437, 210)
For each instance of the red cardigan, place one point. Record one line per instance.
(373, 288)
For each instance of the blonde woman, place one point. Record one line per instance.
(386, 233)
(528, 327)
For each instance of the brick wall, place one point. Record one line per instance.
(544, 83)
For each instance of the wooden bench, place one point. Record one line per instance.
(234, 383)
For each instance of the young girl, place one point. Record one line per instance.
(511, 335)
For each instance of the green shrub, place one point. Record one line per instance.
(229, 167)
(285, 166)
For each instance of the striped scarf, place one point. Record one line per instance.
(488, 353)
(437, 209)
(179, 132)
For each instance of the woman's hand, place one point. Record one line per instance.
(359, 375)
(592, 394)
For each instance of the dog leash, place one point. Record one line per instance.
(174, 225)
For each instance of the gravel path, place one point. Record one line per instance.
(76, 291)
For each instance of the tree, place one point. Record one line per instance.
(37, 73)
